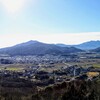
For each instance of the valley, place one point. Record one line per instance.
(48, 71)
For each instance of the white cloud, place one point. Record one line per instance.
(67, 38)
(13, 6)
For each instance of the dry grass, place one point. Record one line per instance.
(92, 74)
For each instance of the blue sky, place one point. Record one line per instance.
(40, 18)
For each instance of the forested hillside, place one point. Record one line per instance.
(74, 90)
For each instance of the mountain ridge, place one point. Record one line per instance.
(84, 46)
(37, 48)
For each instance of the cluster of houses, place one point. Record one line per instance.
(39, 59)
(42, 77)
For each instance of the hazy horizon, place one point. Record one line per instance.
(10, 45)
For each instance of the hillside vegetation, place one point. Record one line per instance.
(74, 90)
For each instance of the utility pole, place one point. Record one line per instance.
(74, 72)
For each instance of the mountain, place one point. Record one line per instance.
(62, 45)
(84, 46)
(37, 48)
(89, 45)
(96, 50)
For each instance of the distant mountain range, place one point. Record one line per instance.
(84, 46)
(37, 48)
(96, 50)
